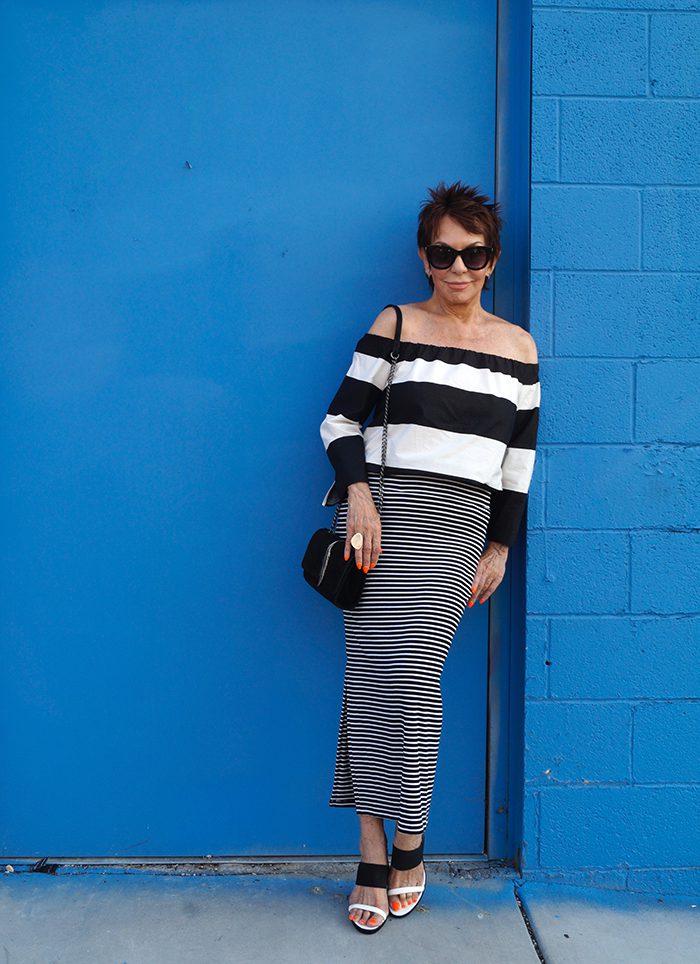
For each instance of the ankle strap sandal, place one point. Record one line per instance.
(371, 875)
(407, 860)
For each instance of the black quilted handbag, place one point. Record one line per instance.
(324, 565)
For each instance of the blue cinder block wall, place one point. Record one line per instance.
(612, 728)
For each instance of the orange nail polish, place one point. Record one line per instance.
(366, 568)
(396, 905)
(482, 600)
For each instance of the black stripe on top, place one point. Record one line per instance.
(380, 346)
(447, 408)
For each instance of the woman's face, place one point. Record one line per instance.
(457, 284)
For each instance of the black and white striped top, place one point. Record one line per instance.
(453, 412)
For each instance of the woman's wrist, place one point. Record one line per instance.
(499, 547)
(355, 487)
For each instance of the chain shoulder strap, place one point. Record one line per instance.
(394, 355)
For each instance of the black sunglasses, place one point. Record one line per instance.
(475, 257)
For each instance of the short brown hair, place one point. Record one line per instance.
(465, 205)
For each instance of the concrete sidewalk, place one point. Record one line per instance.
(123, 916)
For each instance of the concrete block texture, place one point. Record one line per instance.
(590, 228)
(667, 408)
(674, 55)
(588, 52)
(627, 315)
(594, 400)
(632, 5)
(619, 826)
(623, 487)
(578, 572)
(577, 742)
(663, 732)
(624, 657)
(671, 228)
(664, 572)
(612, 679)
(626, 141)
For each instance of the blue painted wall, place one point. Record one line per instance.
(612, 790)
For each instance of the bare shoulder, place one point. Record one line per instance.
(521, 343)
(384, 323)
(528, 347)
(412, 315)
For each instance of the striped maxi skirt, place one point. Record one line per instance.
(397, 640)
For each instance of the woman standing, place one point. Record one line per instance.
(462, 429)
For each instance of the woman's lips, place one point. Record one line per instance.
(458, 284)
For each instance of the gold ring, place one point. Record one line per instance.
(356, 541)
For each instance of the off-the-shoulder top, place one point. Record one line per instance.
(453, 412)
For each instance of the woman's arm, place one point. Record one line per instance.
(341, 429)
(508, 505)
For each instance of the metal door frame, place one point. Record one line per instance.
(506, 654)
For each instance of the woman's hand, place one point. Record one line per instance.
(363, 517)
(489, 572)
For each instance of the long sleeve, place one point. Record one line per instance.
(341, 429)
(508, 505)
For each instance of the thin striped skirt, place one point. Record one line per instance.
(397, 640)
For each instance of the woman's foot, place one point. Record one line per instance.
(372, 850)
(406, 878)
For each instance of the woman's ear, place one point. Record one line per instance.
(426, 264)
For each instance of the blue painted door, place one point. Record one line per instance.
(205, 206)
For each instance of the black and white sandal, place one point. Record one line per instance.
(371, 875)
(407, 860)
